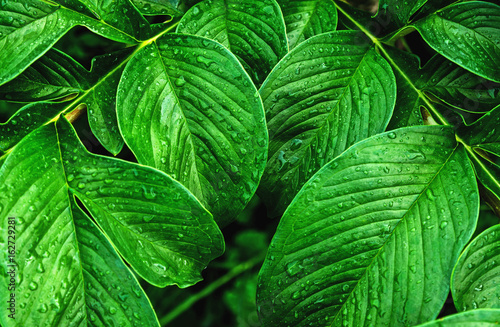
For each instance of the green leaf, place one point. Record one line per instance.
(372, 238)
(398, 14)
(187, 107)
(457, 86)
(97, 91)
(409, 99)
(253, 30)
(467, 34)
(31, 27)
(487, 172)
(484, 133)
(476, 276)
(158, 7)
(159, 228)
(52, 77)
(305, 19)
(474, 318)
(71, 271)
(325, 95)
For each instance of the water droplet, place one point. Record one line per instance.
(33, 286)
(391, 135)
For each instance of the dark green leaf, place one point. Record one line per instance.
(325, 95)
(466, 33)
(158, 7)
(396, 13)
(485, 131)
(372, 238)
(160, 228)
(52, 77)
(305, 19)
(187, 107)
(476, 276)
(457, 86)
(253, 30)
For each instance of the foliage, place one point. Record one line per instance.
(379, 161)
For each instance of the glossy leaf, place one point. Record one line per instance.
(475, 318)
(467, 34)
(96, 90)
(325, 95)
(398, 14)
(476, 276)
(31, 27)
(305, 19)
(70, 276)
(52, 77)
(484, 133)
(187, 107)
(158, 7)
(487, 173)
(254, 31)
(409, 99)
(457, 86)
(160, 228)
(372, 238)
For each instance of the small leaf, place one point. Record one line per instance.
(305, 19)
(475, 318)
(396, 13)
(253, 30)
(372, 238)
(467, 34)
(160, 229)
(485, 132)
(325, 95)
(476, 276)
(187, 107)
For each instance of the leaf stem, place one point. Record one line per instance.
(190, 301)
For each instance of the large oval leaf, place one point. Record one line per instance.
(325, 95)
(305, 19)
(476, 277)
(253, 30)
(467, 34)
(71, 276)
(155, 223)
(187, 107)
(372, 238)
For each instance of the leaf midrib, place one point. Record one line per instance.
(392, 232)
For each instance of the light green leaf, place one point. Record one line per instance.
(70, 275)
(31, 27)
(476, 276)
(467, 34)
(325, 95)
(372, 238)
(187, 107)
(160, 228)
(457, 86)
(253, 30)
(396, 13)
(305, 19)
(475, 318)
(97, 90)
